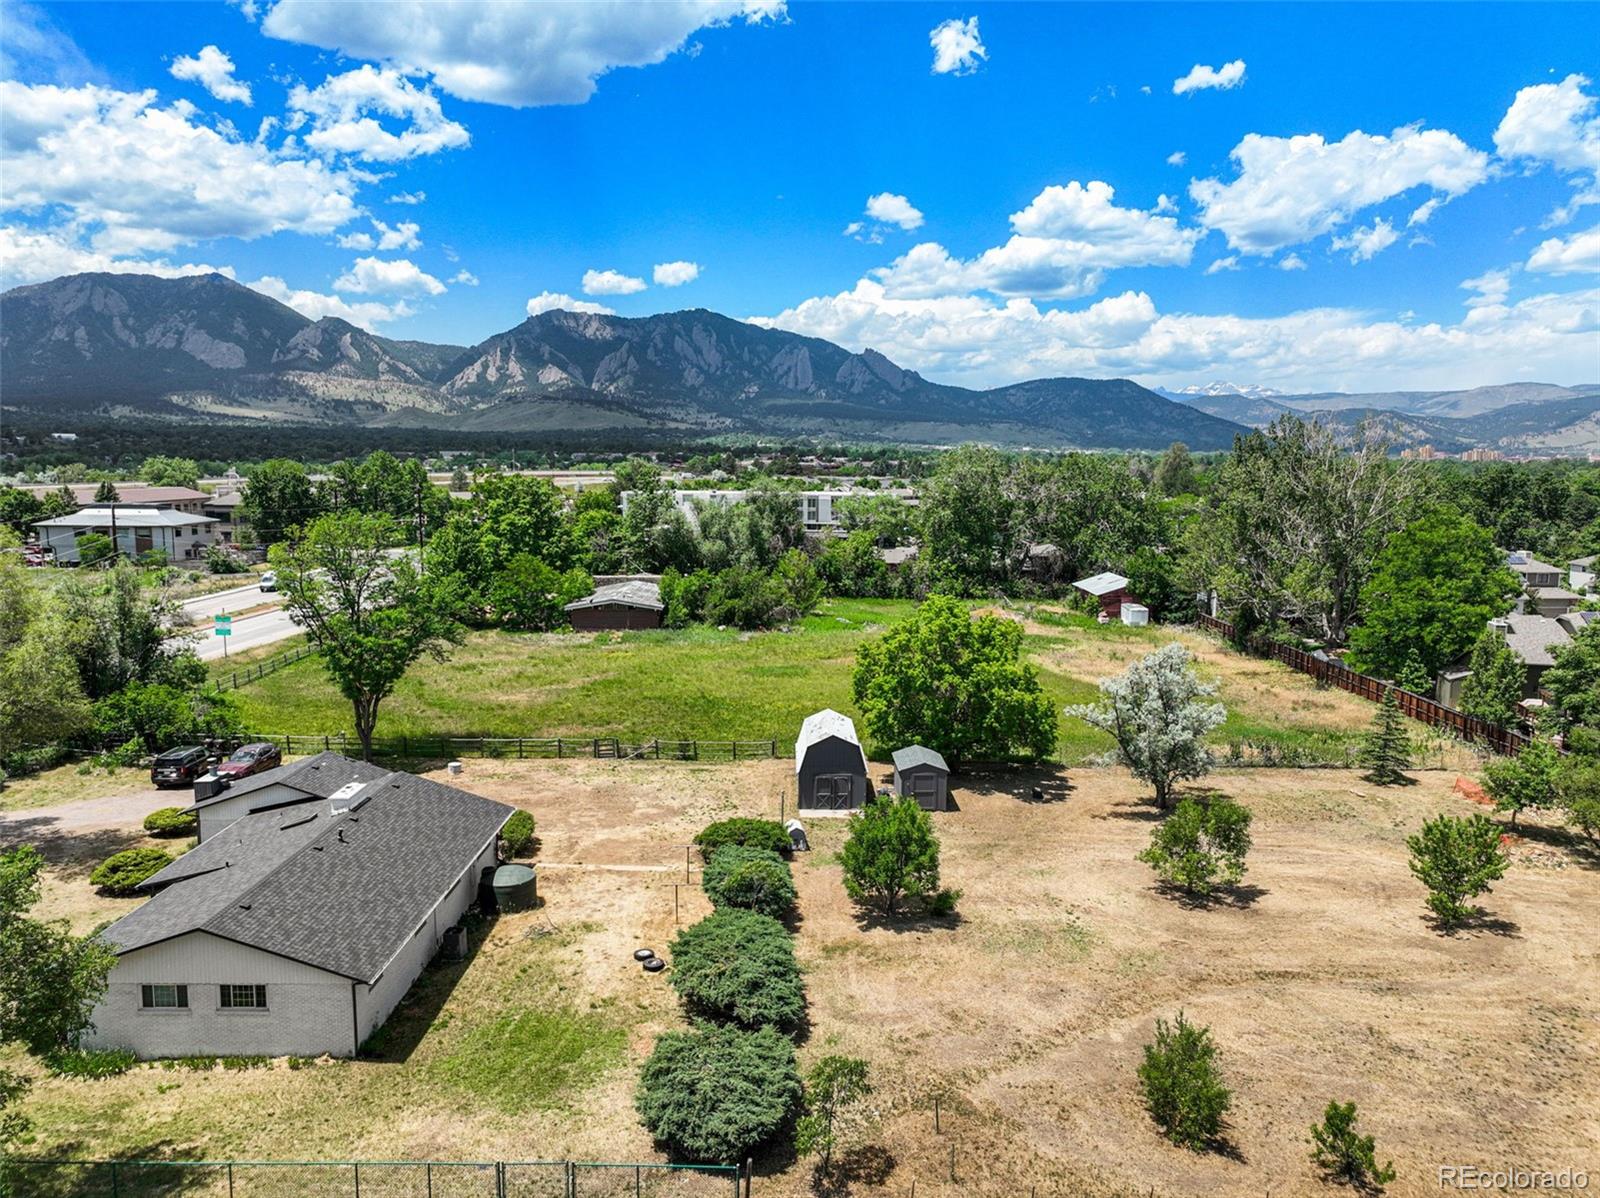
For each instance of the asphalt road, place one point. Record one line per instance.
(203, 607)
(249, 632)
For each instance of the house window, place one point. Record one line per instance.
(163, 996)
(251, 998)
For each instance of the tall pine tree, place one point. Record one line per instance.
(1386, 750)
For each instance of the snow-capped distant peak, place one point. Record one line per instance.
(1248, 390)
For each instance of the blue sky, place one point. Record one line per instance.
(1306, 197)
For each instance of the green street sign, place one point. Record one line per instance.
(224, 630)
(223, 619)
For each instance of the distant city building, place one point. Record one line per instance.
(133, 493)
(1481, 455)
(1422, 453)
(818, 509)
(132, 529)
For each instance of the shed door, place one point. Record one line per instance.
(833, 792)
(926, 789)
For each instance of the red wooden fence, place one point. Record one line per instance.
(1331, 672)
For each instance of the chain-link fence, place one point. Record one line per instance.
(363, 1179)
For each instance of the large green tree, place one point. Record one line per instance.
(968, 513)
(1496, 683)
(279, 499)
(162, 471)
(953, 683)
(1296, 522)
(41, 697)
(1433, 587)
(369, 610)
(1574, 680)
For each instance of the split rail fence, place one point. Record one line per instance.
(414, 747)
(366, 1179)
(1331, 672)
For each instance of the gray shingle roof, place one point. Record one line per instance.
(320, 776)
(1532, 637)
(342, 892)
(915, 755)
(629, 594)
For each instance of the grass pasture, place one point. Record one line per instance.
(1024, 1015)
(710, 684)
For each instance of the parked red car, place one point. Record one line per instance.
(250, 759)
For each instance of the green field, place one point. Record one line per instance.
(706, 684)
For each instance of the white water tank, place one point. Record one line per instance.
(1135, 615)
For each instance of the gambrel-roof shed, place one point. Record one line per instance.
(830, 766)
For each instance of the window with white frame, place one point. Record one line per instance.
(163, 996)
(244, 998)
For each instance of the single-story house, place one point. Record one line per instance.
(618, 605)
(305, 781)
(830, 766)
(1533, 638)
(180, 535)
(922, 774)
(296, 932)
(1110, 589)
(134, 494)
(1552, 601)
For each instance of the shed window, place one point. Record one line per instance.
(163, 996)
(236, 997)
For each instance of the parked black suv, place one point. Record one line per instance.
(177, 767)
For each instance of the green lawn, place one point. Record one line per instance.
(705, 684)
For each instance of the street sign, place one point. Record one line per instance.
(224, 630)
(224, 619)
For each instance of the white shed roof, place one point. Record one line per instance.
(126, 517)
(1101, 584)
(821, 725)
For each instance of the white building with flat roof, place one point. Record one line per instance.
(818, 509)
(180, 535)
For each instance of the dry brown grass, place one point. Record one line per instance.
(1026, 1015)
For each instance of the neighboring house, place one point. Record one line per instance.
(182, 536)
(1533, 638)
(1552, 601)
(897, 557)
(818, 509)
(1111, 590)
(1581, 573)
(319, 777)
(134, 494)
(830, 767)
(1532, 571)
(296, 932)
(224, 509)
(619, 605)
(1043, 562)
(922, 774)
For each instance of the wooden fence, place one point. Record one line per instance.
(521, 747)
(234, 679)
(1331, 672)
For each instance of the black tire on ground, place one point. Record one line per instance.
(654, 965)
(643, 954)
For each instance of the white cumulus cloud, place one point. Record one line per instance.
(1291, 262)
(519, 55)
(890, 209)
(957, 48)
(212, 70)
(676, 274)
(1290, 190)
(1366, 243)
(134, 176)
(393, 276)
(1578, 254)
(314, 305)
(342, 114)
(611, 282)
(1200, 77)
(551, 301)
(1231, 262)
(464, 277)
(1558, 124)
(34, 255)
(408, 197)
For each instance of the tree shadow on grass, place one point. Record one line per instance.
(907, 919)
(869, 1165)
(1026, 785)
(400, 1034)
(1240, 897)
(1479, 921)
(1137, 810)
(73, 851)
(42, 1175)
(1582, 850)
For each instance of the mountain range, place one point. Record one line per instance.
(207, 346)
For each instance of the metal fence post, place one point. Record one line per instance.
(230, 1179)
(115, 1193)
(358, 1181)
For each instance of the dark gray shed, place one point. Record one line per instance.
(830, 768)
(923, 774)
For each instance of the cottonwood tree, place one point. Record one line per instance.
(955, 684)
(1574, 680)
(1297, 523)
(41, 699)
(366, 608)
(1158, 714)
(279, 499)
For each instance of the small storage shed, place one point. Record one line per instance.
(620, 605)
(922, 774)
(1110, 589)
(830, 767)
